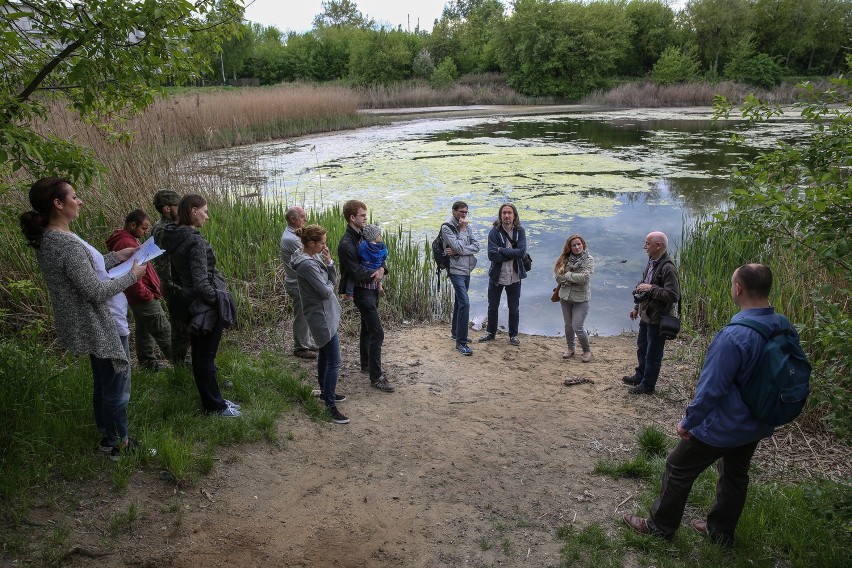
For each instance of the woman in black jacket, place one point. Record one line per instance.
(206, 306)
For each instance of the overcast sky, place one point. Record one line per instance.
(297, 15)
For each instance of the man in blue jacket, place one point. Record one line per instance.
(717, 424)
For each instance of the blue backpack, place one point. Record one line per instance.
(776, 392)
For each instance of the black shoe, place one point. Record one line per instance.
(337, 396)
(337, 417)
(641, 389)
(486, 337)
(132, 447)
(631, 380)
(104, 446)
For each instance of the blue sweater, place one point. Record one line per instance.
(717, 415)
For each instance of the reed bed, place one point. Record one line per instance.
(646, 94)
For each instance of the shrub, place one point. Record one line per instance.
(423, 65)
(445, 74)
(757, 69)
(676, 65)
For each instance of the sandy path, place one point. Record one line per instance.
(473, 461)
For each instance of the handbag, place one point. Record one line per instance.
(555, 296)
(527, 260)
(670, 324)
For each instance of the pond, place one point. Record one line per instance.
(611, 176)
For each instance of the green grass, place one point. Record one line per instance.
(48, 436)
(802, 525)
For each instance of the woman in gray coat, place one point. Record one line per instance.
(89, 309)
(316, 274)
(572, 271)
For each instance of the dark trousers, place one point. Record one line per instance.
(179, 329)
(204, 348)
(684, 464)
(513, 298)
(372, 333)
(649, 352)
(461, 307)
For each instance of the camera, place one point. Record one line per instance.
(639, 297)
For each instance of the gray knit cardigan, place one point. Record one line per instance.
(84, 324)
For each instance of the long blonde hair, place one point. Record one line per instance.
(559, 267)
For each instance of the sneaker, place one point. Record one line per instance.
(104, 446)
(486, 337)
(305, 354)
(233, 405)
(515, 340)
(568, 353)
(587, 356)
(631, 380)
(383, 385)
(337, 396)
(464, 349)
(640, 389)
(132, 447)
(347, 298)
(337, 417)
(230, 412)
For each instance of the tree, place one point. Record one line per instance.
(676, 66)
(653, 31)
(341, 14)
(748, 66)
(562, 49)
(380, 57)
(103, 59)
(718, 25)
(444, 75)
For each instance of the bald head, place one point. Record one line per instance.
(656, 244)
(296, 217)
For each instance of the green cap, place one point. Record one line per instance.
(165, 197)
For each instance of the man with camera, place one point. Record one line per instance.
(654, 298)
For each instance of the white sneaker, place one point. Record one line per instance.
(230, 412)
(233, 405)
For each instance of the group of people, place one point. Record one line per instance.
(90, 309)
(91, 318)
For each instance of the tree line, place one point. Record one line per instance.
(554, 48)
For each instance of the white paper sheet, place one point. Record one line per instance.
(143, 254)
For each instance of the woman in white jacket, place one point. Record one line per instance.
(316, 274)
(572, 271)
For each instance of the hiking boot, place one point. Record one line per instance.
(486, 337)
(132, 447)
(104, 446)
(641, 389)
(382, 384)
(515, 340)
(305, 354)
(464, 349)
(154, 366)
(587, 356)
(631, 380)
(337, 417)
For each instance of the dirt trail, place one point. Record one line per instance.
(473, 461)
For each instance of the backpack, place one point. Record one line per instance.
(439, 250)
(777, 390)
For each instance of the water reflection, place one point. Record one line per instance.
(612, 177)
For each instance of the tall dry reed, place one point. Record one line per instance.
(687, 94)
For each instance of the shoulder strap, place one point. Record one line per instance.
(751, 324)
(511, 240)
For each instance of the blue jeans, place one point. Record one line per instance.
(683, 465)
(649, 352)
(328, 367)
(110, 395)
(513, 298)
(204, 348)
(461, 306)
(372, 334)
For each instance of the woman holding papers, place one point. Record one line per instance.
(205, 303)
(89, 309)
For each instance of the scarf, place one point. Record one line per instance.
(576, 261)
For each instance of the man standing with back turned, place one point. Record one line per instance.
(717, 424)
(366, 294)
(303, 343)
(166, 203)
(654, 297)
